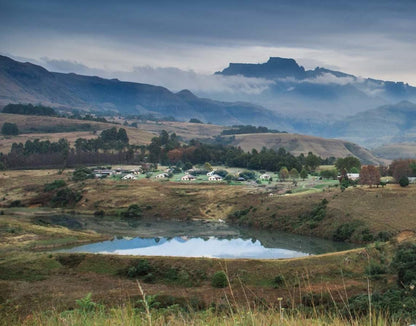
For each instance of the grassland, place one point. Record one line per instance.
(53, 129)
(38, 286)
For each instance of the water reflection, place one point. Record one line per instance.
(250, 244)
(189, 247)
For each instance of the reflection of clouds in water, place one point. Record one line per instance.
(213, 247)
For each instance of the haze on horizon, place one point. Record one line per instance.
(183, 43)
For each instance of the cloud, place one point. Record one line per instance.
(328, 78)
(172, 78)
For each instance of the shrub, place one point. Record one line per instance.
(54, 185)
(141, 269)
(279, 280)
(82, 173)
(131, 212)
(16, 203)
(404, 181)
(375, 270)
(405, 264)
(99, 213)
(344, 232)
(219, 280)
(65, 197)
(9, 129)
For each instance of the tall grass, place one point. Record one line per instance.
(142, 313)
(130, 316)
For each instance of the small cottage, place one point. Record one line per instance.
(188, 177)
(215, 177)
(129, 177)
(265, 176)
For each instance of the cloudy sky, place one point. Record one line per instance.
(179, 44)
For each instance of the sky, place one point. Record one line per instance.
(180, 44)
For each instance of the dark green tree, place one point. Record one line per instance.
(9, 129)
(303, 174)
(348, 163)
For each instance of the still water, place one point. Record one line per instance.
(242, 243)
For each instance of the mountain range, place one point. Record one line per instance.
(319, 102)
(322, 91)
(29, 83)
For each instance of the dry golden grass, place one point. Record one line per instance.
(299, 144)
(185, 130)
(26, 122)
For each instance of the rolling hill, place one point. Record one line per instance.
(52, 128)
(298, 144)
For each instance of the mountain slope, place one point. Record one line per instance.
(386, 124)
(25, 82)
(298, 144)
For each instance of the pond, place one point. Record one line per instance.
(196, 239)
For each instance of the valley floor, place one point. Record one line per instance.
(33, 279)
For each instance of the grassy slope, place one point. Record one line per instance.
(377, 209)
(394, 151)
(294, 143)
(298, 144)
(26, 122)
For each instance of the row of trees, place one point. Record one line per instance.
(29, 109)
(247, 129)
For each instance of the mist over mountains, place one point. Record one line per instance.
(318, 102)
(326, 93)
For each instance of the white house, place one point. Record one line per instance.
(215, 177)
(353, 176)
(265, 176)
(129, 177)
(188, 177)
(161, 176)
(210, 174)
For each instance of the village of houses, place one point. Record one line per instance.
(268, 181)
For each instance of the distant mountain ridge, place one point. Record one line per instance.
(320, 90)
(29, 83)
(360, 110)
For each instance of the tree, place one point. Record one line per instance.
(404, 181)
(194, 120)
(348, 163)
(208, 166)
(402, 168)
(369, 175)
(284, 173)
(312, 161)
(329, 174)
(303, 174)
(122, 136)
(9, 129)
(294, 174)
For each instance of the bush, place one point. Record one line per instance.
(9, 129)
(54, 185)
(344, 232)
(82, 173)
(141, 269)
(375, 271)
(404, 181)
(65, 197)
(219, 280)
(405, 264)
(131, 212)
(278, 281)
